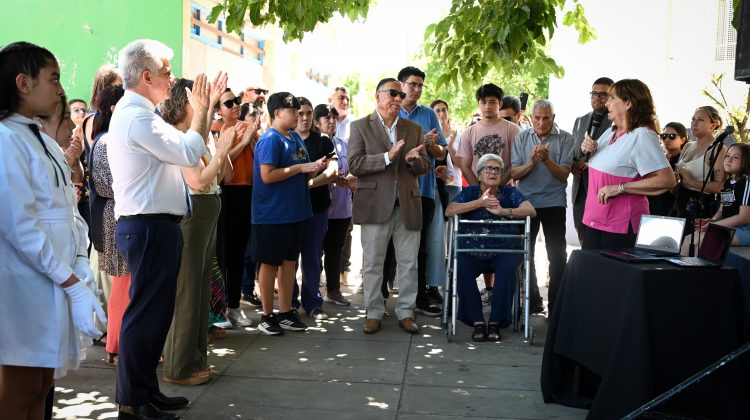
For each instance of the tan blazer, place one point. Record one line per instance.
(377, 184)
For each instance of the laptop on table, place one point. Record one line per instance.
(658, 236)
(713, 250)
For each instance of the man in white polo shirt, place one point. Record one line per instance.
(145, 155)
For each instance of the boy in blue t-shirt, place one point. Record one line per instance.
(281, 202)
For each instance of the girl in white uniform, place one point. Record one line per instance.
(43, 261)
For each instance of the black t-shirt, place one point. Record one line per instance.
(317, 147)
(734, 194)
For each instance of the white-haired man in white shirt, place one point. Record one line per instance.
(145, 155)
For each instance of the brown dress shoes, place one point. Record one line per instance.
(371, 326)
(408, 325)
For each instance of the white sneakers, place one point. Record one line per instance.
(238, 318)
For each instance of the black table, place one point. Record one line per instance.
(739, 258)
(621, 334)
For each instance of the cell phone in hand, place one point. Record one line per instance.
(524, 99)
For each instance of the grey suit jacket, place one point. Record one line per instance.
(378, 185)
(579, 132)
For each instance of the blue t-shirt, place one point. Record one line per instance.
(509, 198)
(427, 118)
(287, 201)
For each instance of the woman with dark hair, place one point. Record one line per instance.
(236, 197)
(695, 164)
(734, 210)
(673, 138)
(186, 348)
(45, 269)
(318, 146)
(103, 221)
(340, 211)
(626, 165)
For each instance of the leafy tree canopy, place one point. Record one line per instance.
(510, 36)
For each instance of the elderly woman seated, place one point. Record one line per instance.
(488, 201)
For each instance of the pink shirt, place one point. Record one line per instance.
(479, 140)
(630, 158)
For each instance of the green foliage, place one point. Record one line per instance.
(509, 36)
(502, 41)
(295, 17)
(736, 115)
(461, 99)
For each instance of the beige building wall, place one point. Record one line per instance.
(285, 67)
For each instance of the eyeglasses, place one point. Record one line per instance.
(415, 85)
(670, 136)
(491, 169)
(76, 110)
(394, 93)
(231, 102)
(258, 91)
(600, 95)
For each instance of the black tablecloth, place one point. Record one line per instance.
(621, 334)
(739, 258)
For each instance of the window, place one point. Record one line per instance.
(194, 28)
(247, 45)
(317, 77)
(726, 35)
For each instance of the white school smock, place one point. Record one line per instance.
(41, 234)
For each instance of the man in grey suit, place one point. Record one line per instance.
(594, 124)
(387, 155)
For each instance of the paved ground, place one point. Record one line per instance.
(334, 371)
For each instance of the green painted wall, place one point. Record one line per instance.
(86, 34)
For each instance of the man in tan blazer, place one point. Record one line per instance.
(387, 154)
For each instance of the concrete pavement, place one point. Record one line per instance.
(334, 371)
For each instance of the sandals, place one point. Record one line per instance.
(111, 359)
(493, 332)
(215, 332)
(480, 332)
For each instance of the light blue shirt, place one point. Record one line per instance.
(542, 188)
(427, 118)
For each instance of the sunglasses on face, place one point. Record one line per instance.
(491, 169)
(231, 102)
(508, 119)
(394, 93)
(259, 91)
(670, 136)
(600, 95)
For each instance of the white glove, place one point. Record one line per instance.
(82, 270)
(82, 304)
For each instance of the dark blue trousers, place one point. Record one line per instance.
(470, 302)
(312, 248)
(152, 249)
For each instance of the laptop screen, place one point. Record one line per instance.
(716, 242)
(660, 233)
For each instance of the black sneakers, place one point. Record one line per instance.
(269, 325)
(290, 321)
(253, 300)
(429, 310)
(433, 294)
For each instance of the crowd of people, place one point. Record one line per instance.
(166, 201)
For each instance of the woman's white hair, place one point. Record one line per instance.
(139, 56)
(482, 162)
